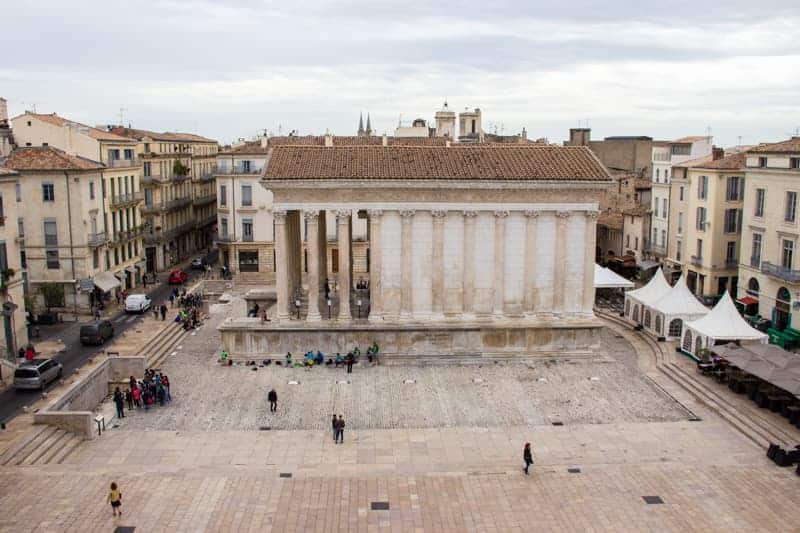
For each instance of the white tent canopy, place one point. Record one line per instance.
(723, 323)
(605, 278)
(647, 295)
(672, 310)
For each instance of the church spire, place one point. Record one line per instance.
(369, 126)
(361, 124)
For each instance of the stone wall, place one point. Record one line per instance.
(81, 423)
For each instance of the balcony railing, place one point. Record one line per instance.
(167, 206)
(786, 274)
(118, 200)
(731, 263)
(223, 237)
(247, 237)
(123, 163)
(697, 260)
(97, 239)
(208, 176)
(165, 235)
(207, 199)
(127, 235)
(205, 221)
(51, 240)
(239, 170)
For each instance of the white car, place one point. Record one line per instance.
(137, 303)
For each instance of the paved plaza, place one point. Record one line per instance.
(445, 454)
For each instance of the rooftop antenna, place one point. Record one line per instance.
(796, 133)
(121, 115)
(32, 104)
(280, 129)
(740, 141)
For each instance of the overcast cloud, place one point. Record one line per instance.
(231, 69)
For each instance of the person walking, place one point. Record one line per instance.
(115, 499)
(527, 456)
(163, 312)
(273, 401)
(118, 402)
(155, 312)
(129, 399)
(340, 429)
(349, 359)
(334, 427)
(136, 395)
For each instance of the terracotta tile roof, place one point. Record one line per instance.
(6, 171)
(48, 158)
(730, 162)
(691, 139)
(297, 140)
(611, 219)
(248, 148)
(790, 146)
(353, 140)
(165, 137)
(519, 162)
(95, 133)
(416, 141)
(699, 162)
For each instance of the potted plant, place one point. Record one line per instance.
(53, 295)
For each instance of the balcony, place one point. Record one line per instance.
(786, 274)
(656, 249)
(96, 239)
(205, 221)
(224, 237)
(203, 200)
(171, 205)
(51, 240)
(236, 171)
(697, 260)
(127, 235)
(121, 200)
(166, 235)
(731, 263)
(208, 176)
(123, 163)
(247, 237)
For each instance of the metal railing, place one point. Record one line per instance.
(223, 237)
(206, 176)
(51, 240)
(97, 239)
(247, 237)
(731, 263)
(697, 260)
(205, 221)
(167, 206)
(786, 274)
(207, 199)
(164, 235)
(123, 163)
(129, 198)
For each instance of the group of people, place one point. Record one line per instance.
(160, 310)
(153, 388)
(311, 358)
(256, 312)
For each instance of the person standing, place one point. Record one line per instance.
(334, 427)
(163, 312)
(129, 399)
(527, 456)
(115, 499)
(118, 402)
(273, 401)
(349, 359)
(340, 429)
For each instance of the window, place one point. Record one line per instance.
(52, 259)
(248, 261)
(655, 208)
(666, 175)
(791, 206)
(50, 233)
(223, 225)
(91, 190)
(680, 223)
(731, 220)
(680, 191)
(128, 154)
(147, 148)
(787, 255)
(761, 197)
(147, 169)
(48, 192)
(95, 258)
(664, 209)
(730, 253)
(733, 189)
(701, 219)
(23, 259)
(247, 229)
(113, 154)
(18, 191)
(663, 237)
(702, 188)
(636, 243)
(148, 197)
(755, 254)
(655, 235)
(699, 248)
(223, 195)
(762, 162)
(116, 256)
(627, 239)
(678, 250)
(246, 166)
(794, 163)
(658, 174)
(247, 195)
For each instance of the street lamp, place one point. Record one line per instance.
(297, 305)
(329, 308)
(358, 302)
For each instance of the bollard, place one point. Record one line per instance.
(100, 419)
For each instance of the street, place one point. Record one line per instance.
(75, 354)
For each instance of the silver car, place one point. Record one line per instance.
(37, 373)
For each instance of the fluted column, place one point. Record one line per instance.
(281, 264)
(312, 260)
(375, 266)
(469, 262)
(343, 221)
(531, 218)
(406, 250)
(588, 264)
(560, 262)
(499, 260)
(437, 264)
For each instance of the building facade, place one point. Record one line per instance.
(769, 270)
(14, 332)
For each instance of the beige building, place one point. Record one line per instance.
(179, 210)
(769, 269)
(14, 332)
(708, 195)
(117, 230)
(6, 138)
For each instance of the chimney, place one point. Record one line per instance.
(579, 136)
(447, 143)
(264, 141)
(717, 153)
(328, 140)
(3, 112)
(385, 140)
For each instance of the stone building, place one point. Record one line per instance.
(14, 332)
(471, 250)
(6, 137)
(768, 269)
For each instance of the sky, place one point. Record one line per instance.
(236, 68)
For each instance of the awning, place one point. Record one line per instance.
(647, 264)
(747, 300)
(105, 281)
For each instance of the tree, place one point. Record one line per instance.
(179, 168)
(53, 294)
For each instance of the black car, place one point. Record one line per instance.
(97, 332)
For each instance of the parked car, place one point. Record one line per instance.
(177, 277)
(97, 332)
(37, 373)
(198, 263)
(137, 303)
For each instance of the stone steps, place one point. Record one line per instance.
(40, 446)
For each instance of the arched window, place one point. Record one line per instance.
(675, 327)
(658, 324)
(687, 341)
(784, 296)
(753, 287)
(635, 316)
(698, 345)
(647, 318)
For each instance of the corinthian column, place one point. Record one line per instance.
(437, 264)
(469, 262)
(499, 260)
(406, 248)
(343, 221)
(312, 261)
(560, 265)
(588, 264)
(281, 265)
(375, 266)
(531, 217)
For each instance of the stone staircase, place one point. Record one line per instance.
(161, 345)
(43, 445)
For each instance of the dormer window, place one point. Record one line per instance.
(762, 162)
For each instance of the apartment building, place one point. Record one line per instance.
(708, 196)
(769, 270)
(14, 332)
(178, 210)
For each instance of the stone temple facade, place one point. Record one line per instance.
(474, 250)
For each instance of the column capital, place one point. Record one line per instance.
(593, 214)
(563, 215)
(407, 213)
(279, 216)
(342, 215)
(532, 213)
(375, 213)
(500, 213)
(438, 215)
(469, 213)
(311, 215)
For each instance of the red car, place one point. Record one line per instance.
(177, 277)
